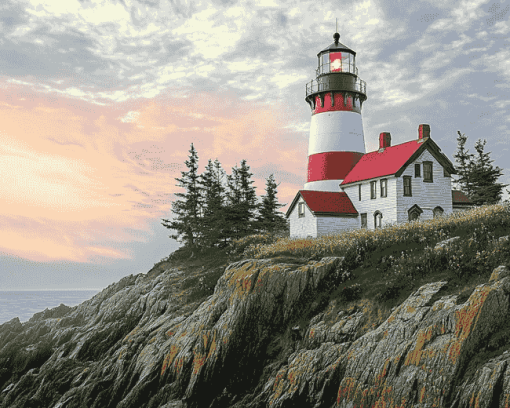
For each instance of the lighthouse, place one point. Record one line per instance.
(335, 97)
(348, 188)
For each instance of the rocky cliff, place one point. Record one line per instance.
(266, 337)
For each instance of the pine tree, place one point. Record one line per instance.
(213, 193)
(464, 161)
(486, 189)
(242, 202)
(478, 178)
(270, 219)
(186, 210)
(248, 204)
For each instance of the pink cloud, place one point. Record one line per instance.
(84, 173)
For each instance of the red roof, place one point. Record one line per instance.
(328, 202)
(377, 164)
(458, 197)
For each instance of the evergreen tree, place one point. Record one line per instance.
(242, 202)
(249, 200)
(464, 161)
(478, 178)
(213, 193)
(486, 189)
(233, 216)
(187, 208)
(270, 219)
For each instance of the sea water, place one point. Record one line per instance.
(24, 304)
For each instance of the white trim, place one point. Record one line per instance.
(324, 185)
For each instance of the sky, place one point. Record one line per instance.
(100, 101)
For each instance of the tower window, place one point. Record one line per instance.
(359, 192)
(417, 168)
(373, 192)
(407, 186)
(301, 210)
(384, 187)
(325, 63)
(427, 171)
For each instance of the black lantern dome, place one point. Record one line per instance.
(337, 58)
(336, 71)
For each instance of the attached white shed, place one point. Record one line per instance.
(316, 213)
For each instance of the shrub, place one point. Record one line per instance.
(350, 293)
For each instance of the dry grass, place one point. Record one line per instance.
(422, 232)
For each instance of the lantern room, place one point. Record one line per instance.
(336, 77)
(336, 58)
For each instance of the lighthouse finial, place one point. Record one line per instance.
(336, 36)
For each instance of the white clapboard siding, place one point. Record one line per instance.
(330, 225)
(387, 206)
(305, 226)
(426, 195)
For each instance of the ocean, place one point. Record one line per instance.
(24, 304)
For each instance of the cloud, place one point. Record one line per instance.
(80, 176)
(100, 100)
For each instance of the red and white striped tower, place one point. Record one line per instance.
(336, 130)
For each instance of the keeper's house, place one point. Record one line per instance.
(394, 184)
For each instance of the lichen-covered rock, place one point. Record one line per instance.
(345, 329)
(484, 390)
(499, 273)
(417, 354)
(253, 343)
(139, 343)
(305, 379)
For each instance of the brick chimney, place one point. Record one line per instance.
(384, 140)
(423, 132)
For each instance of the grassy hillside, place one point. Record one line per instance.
(384, 266)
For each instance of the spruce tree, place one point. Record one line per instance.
(478, 178)
(248, 200)
(270, 219)
(242, 202)
(233, 216)
(187, 208)
(213, 193)
(486, 189)
(464, 161)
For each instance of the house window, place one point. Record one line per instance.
(373, 192)
(407, 186)
(359, 192)
(438, 212)
(377, 220)
(384, 187)
(364, 222)
(414, 212)
(417, 170)
(301, 210)
(414, 215)
(427, 172)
